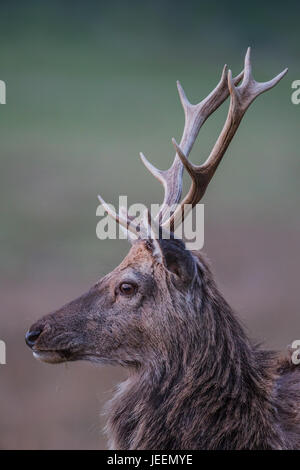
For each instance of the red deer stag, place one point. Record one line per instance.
(195, 380)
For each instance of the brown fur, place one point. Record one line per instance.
(195, 380)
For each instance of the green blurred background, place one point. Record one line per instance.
(89, 85)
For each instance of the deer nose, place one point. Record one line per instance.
(31, 337)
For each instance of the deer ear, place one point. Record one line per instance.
(170, 252)
(177, 259)
(173, 255)
(172, 264)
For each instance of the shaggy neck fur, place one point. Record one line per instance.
(212, 390)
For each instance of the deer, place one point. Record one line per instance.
(195, 380)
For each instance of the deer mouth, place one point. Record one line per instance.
(44, 353)
(52, 356)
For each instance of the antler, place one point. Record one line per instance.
(171, 179)
(240, 99)
(195, 115)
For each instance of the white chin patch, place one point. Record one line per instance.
(47, 356)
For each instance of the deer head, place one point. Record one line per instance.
(147, 309)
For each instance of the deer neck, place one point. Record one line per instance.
(215, 391)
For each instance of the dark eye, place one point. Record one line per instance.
(127, 288)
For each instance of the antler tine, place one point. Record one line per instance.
(120, 219)
(195, 116)
(250, 88)
(240, 99)
(183, 98)
(155, 171)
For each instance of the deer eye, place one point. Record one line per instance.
(127, 288)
